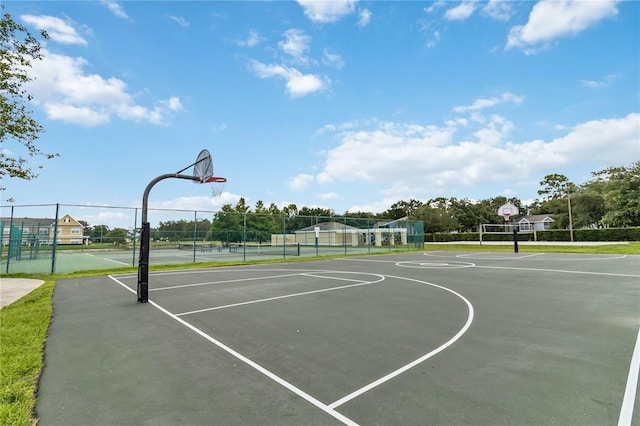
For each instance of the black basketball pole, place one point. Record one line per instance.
(143, 262)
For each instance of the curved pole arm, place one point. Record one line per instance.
(145, 231)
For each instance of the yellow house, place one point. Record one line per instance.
(41, 230)
(69, 231)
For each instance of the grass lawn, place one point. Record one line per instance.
(23, 331)
(24, 324)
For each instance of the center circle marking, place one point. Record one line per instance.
(434, 265)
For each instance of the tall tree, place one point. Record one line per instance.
(588, 207)
(402, 209)
(274, 209)
(620, 188)
(227, 225)
(241, 206)
(437, 215)
(555, 186)
(468, 214)
(18, 47)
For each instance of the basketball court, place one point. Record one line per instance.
(419, 338)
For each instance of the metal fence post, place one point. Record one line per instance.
(9, 247)
(195, 233)
(55, 240)
(135, 228)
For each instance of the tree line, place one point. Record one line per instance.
(610, 199)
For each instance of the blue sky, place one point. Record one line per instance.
(348, 105)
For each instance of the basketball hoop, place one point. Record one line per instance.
(508, 210)
(217, 185)
(203, 173)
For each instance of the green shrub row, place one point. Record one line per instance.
(605, 234)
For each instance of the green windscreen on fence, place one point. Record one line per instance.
(106, 237)
(15, 243)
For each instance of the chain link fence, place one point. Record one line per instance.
(62, 238)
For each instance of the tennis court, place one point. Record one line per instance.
(88, 259)
(416, 338)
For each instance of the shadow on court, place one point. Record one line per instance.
(425, 338)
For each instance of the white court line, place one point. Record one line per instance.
(287, 295)
(423, 358)
(349, 259)
(608, 274)
(568, 257)
(110, 260)
(626, 411)
(251, 363)
(223, 282)
(473, 256)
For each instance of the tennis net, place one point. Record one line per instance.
(290, 249)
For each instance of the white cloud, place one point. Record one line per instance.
(364, 17)
(600, 84)
(115, 8)
(377, 206)
(499, 10)
(329, 196)
(552, 19)
(179, 20)
(295, 44)
(218, 128)
(434, 39)
(613, 141)
(333, 59)
(483, 103)
(173, 104)
(435, 5)
(73, 114)
(422, 159)
(494, 132)
(300, 182)
(461, 11)
(297, 84)
(67, 93)
(252, 40)
(58, 30)
(196, 203)
(327, 11)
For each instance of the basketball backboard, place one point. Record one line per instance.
(203, 167)
(507, 210)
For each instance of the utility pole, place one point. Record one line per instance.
(570, 215)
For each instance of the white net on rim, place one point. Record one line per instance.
(217, 185)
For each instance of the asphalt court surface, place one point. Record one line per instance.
(420, 338)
